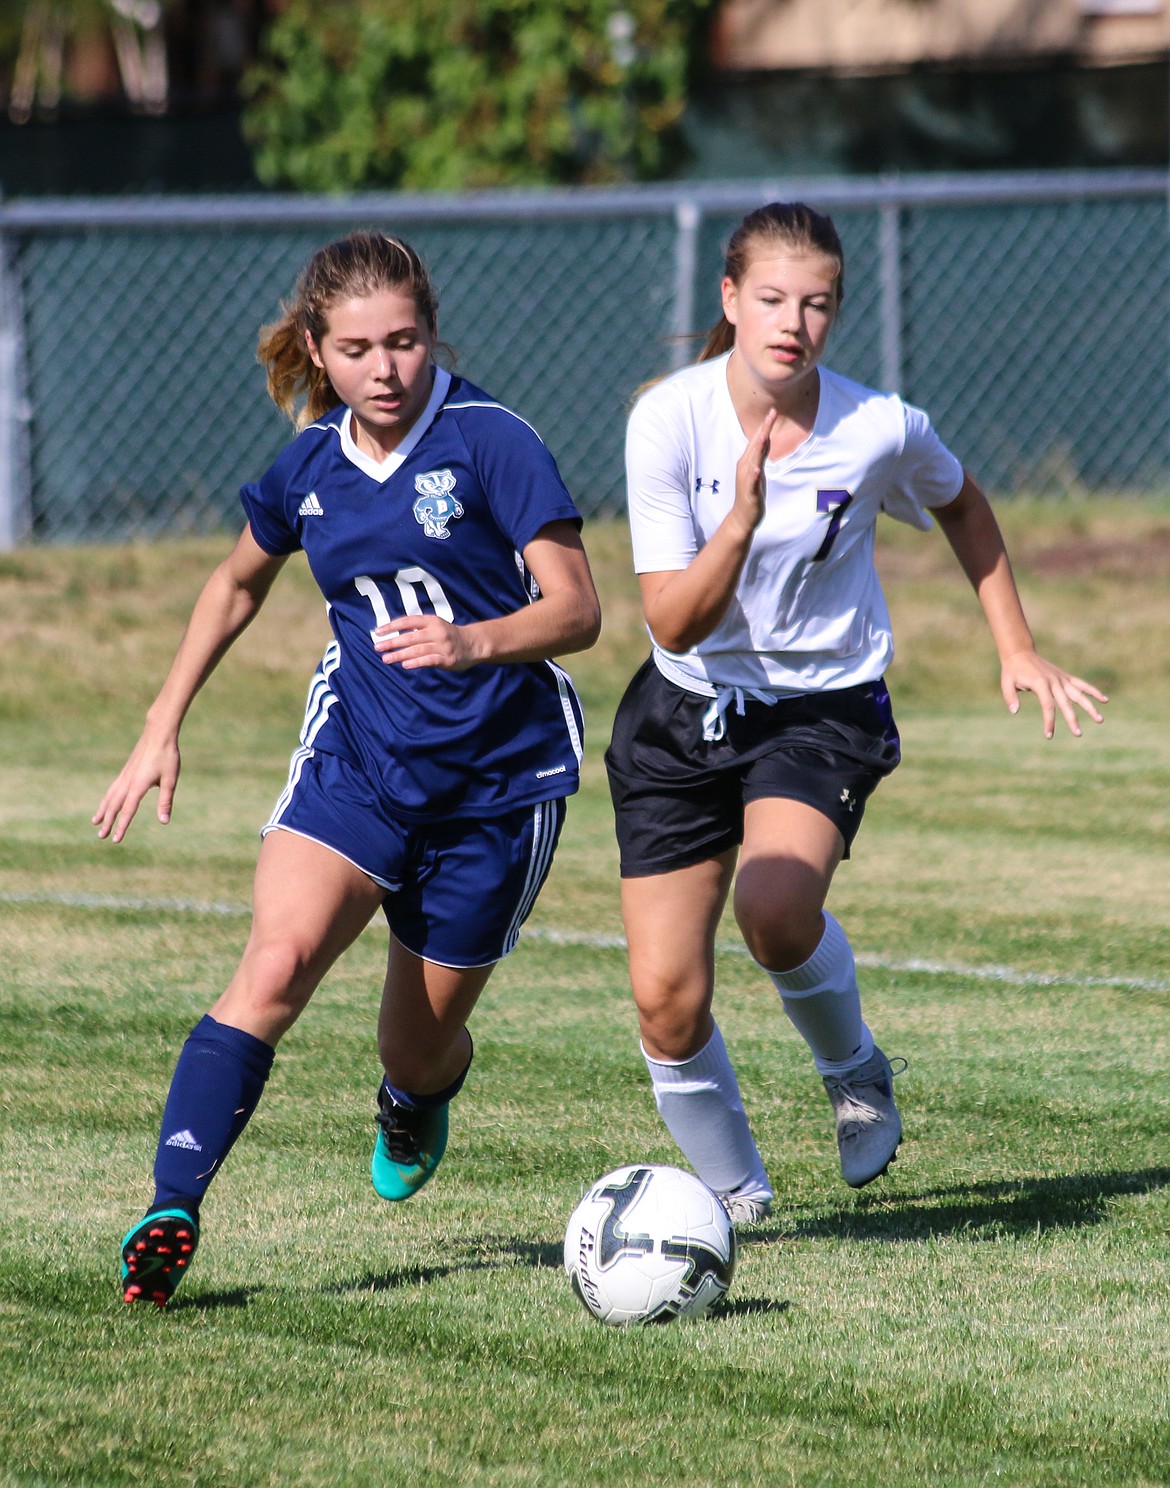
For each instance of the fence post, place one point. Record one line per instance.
(15, 484)
(890, 247)
(687, 218)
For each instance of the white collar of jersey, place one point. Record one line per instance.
(382, 470)
(724, 392)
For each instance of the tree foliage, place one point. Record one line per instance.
(449, 94)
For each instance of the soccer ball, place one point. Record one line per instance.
(647, 1244)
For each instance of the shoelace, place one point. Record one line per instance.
(853, 1113)
(715, 718)
(400, 1142)
(851, 1109)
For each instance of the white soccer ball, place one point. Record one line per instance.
(647, 1244)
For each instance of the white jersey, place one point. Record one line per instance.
(808, 614)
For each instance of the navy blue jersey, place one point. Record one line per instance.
(439, 526)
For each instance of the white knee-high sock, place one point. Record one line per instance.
(822, 999)
(699, 1100)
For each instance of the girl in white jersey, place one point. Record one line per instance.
(760, 724)
(439, 742)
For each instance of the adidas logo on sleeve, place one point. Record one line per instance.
(310, 506)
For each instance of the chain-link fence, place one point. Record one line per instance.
(1029, 315)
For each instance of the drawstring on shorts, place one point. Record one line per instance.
(715, 717)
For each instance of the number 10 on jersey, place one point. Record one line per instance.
(408, 581)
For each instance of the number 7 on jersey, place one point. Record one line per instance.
(834, 503)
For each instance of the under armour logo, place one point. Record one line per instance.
(712, 486)
(847, 800)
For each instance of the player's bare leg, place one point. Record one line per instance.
(309, 905)
(426, 1052)
(671, 920)
(789, 855)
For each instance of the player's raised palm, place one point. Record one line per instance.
(750, 484)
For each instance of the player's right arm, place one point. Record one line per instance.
(683, 606)
(227, 604)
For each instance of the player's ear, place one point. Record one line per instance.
(730, 293)
(314, 353)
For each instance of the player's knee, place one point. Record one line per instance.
(673, 1018)
(277, 976)
(779, 941)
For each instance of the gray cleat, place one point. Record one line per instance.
(868, 1125)
(745, 1209)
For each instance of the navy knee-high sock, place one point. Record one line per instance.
(216, 1086)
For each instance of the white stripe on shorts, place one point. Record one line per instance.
(296, 765)
(545, 816)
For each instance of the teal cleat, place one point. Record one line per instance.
(408, 1148)
(156, 1254)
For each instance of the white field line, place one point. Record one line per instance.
(590, 941)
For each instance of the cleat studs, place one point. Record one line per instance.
(154, 1262)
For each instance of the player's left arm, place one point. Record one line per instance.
(973, 533)
(566, 617)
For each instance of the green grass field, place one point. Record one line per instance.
(997, 1310)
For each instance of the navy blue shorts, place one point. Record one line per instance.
(458, 890)
(679, 798)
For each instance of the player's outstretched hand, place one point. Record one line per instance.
(154, 761)
(1053, 687)
(425, 641)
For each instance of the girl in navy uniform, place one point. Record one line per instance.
(439, 741)
(761, 723)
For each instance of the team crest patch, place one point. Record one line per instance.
(435, 505)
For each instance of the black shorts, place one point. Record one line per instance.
(679, 798)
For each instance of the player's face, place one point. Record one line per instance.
(782, 313)
(377, 353)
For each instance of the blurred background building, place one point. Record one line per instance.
(106, 96)
(872, 86)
